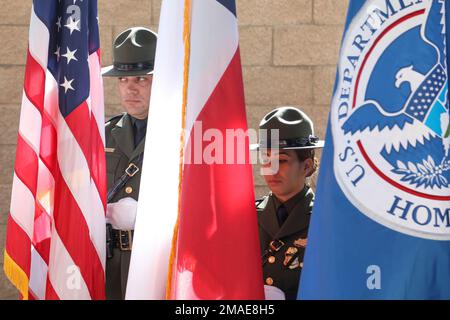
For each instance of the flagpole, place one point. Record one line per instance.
(186, 39)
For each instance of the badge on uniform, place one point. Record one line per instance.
(301, 243)
(289, 255)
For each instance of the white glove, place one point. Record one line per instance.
(122, 214)
(273, 293)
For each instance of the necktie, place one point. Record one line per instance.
(282, 215)
(140, 128)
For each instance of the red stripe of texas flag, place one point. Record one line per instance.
(218, 251)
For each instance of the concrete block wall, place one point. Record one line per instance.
(289, 50)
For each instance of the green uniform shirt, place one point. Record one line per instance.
(120, 150)
(282, 267)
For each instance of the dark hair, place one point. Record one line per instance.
(303, 154)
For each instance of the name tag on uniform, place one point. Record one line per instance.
(110, 149)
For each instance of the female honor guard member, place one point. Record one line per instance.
(134, 57)
(283, 215)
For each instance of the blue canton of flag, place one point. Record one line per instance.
(381, 223)
(73, 37)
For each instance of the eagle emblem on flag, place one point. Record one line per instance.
(391, 121)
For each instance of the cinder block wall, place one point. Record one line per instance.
(289, 50)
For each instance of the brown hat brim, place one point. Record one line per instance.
(110, 71)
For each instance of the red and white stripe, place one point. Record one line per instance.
(56, 227)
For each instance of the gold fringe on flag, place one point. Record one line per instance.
(187, 50)
(16, 275)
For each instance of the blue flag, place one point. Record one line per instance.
(380, 227)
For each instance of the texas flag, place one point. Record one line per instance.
(196, 231)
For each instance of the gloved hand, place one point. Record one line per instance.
(273, 293)
(122, 214)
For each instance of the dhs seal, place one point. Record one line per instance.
(390, 117)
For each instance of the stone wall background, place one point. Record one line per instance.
(289, 50)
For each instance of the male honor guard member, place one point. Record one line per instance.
(134, 57)
(284, 214)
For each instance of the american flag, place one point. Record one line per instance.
(424, 96)
(55, 244)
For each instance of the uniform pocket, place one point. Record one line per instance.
(112, 167)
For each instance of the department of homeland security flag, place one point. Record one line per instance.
(381, 226)
(194, 179)
(55, 243)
